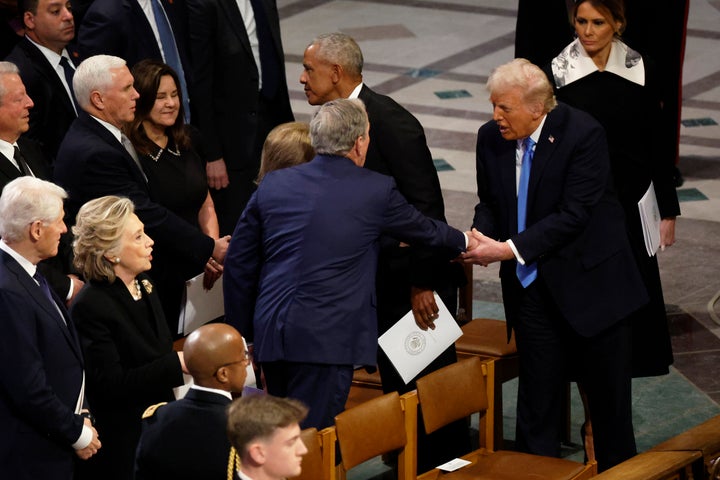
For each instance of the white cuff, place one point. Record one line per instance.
(84, 439)
(518, 257)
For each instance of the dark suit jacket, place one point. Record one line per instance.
(41, 369)
(226, 96)
(398, 148)
(301, 267)
(54, 269)
(130, 365)
(91, 163)
(185, 439)
(575, 224)
(53, 112)
(120, 28)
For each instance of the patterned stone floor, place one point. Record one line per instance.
(434, 56)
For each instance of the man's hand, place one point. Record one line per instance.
(667, 232)
(94, 444)
(217, 174)
(424, 307)
(486, 250)
(219, 252)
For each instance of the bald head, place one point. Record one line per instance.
(215, 357)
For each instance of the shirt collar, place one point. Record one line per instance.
(51, 56)
(8, 149)
(535, 135)
(26, 264)
(212, 390)
(111, 128)
(574, 63)
(356, 91)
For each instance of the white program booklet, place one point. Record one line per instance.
(411, 349)
(650, 219)
(200, 306)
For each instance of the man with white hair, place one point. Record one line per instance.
(300, 273)
(21, 156)
(549, 214)
(96, 159)
(42, 379)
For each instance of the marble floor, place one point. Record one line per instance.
(434, 56)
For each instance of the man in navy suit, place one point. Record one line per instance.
(216, 358)
(406, 276)
(42, 380)
(300, 272)
(46, 69)
(548, 212)
(96, 159)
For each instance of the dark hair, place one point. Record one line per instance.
(27, 6)
(614, 9)
(147, 75)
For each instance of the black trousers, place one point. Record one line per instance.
(551, 354)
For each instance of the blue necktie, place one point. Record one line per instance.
(69, 73)
(525, 273)
(169, 47)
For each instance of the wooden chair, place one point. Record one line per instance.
(377, 427)
(459, 390)
(703, 438)
(319, 461)
(365, 386)
(653, 465)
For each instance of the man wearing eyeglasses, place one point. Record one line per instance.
(186, 439)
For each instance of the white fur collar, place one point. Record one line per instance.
(573, 63)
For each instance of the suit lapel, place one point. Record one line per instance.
(233, 13)
(543, 154)
(506, 167)
(161, 326)
(102, 132)
(142, 27)
(8, 169)
(34, 158)
(44, 68)
(61, 317)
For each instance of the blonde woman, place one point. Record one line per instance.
(129, 359)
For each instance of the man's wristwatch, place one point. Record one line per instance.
(89, 416)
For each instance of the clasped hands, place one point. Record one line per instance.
(482, 250)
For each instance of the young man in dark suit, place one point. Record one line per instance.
(568, 275)
(42, 379)
(46, 69)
